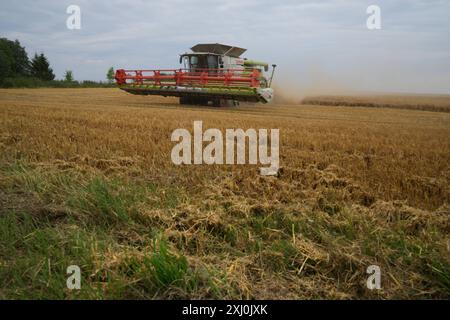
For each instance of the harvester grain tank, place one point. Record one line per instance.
(211, 74)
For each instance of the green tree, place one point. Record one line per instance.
(22, 63)
(110, 75)
(5, 65)
(16, 56)
(40, 68)
(68, 76)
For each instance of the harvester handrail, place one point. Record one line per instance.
(181, 69)
(188, 77)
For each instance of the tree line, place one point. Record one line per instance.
(17, 70)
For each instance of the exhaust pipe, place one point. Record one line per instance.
(271, 77)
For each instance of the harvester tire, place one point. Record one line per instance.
(185, 100)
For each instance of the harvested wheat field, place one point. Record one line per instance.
(86, 179)
(438, 103)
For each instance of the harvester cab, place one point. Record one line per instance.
(211, 74)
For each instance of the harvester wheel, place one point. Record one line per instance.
(185, 100)
(228, 103)
(202, 101)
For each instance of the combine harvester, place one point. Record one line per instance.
(212, 74)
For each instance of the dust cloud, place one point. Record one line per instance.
(290, 89)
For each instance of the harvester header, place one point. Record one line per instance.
(211, 74)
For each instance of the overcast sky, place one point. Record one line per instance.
(318, 45)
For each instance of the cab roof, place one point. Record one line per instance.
(218, 48)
